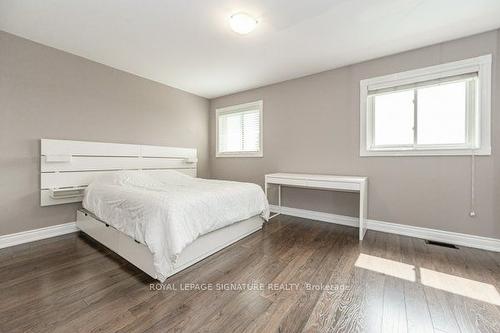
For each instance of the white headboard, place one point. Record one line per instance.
(67, 167)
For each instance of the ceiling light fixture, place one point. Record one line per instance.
(242, 23)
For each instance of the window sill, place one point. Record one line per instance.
(484, 151)
(257, 154)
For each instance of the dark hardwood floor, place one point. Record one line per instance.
(294, 275)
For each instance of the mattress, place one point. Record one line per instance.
(169, 211)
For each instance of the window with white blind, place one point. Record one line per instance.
(438, 110)
(239, 130)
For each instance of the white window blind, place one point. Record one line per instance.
(239, 130)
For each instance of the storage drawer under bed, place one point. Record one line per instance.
(116, 241)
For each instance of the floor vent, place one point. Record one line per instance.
(451, 246)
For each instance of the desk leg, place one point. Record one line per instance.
(363, 210)
(279, 196)
(279, 200)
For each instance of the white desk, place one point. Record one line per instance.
(325, 182)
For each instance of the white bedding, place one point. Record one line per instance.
(169, 211)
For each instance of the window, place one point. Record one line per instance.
(438, 110)
(239, 130)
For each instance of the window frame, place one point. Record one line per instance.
(239, 109)
(479, 124)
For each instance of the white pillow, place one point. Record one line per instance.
(127, 178)
(172, 177)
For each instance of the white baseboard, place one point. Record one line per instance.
(37, 234)
(479, 242)
(456, 238)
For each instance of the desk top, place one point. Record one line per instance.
(333, 178)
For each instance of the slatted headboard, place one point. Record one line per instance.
(67, 167)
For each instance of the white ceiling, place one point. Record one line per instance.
(187, 44)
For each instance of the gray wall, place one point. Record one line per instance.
(46, 93)
(311, 125)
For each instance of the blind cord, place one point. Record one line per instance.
(472, 212)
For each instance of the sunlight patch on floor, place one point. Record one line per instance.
(477, 290)
(457, 285)
(386, 266)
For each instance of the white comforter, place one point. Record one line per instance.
(168, 212)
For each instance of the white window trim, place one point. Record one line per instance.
(481, 65)
(234, 109)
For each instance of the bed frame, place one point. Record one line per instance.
(67, 167)
(139, 255)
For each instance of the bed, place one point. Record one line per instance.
(162, 219)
